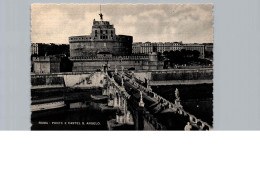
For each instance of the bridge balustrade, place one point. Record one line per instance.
(171, 105)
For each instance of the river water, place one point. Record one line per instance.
(80, 113)
(195, 99)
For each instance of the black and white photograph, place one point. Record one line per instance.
(72, 71)
(122, 67)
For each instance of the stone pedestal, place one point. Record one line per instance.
(139, 125)
(110, 103)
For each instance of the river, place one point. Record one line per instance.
(195, 99)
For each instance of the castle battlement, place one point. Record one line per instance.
(115, 58)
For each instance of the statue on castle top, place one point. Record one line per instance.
(101, 16)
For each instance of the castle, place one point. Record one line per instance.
(103, 38)
(104, 47)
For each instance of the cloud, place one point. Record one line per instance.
(155, 23)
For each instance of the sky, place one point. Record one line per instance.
(189, 23)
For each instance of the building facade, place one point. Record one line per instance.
(42, 49)
(209, 47)
(148, 47)
(46, 64)
(146, 62)
(34, 49)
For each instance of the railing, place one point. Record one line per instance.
(184, 75)
(85, 79)
(111, 80)
(167, 104)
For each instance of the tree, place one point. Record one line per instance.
(166, 54)
(66, 65)
(159, 56)
(208, 54)
(183, 53)
(189, 53)
(196, 54)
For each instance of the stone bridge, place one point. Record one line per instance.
(125, 92)
(71, 80)
(178, 76)
(136, 105)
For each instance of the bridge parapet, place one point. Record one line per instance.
(120, 89)
(152, 122)
(177, 107)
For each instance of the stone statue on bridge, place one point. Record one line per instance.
(141, 103)
(115, 70)
(177, 100)
(188, 127)
(122, 82)
(177, 94)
